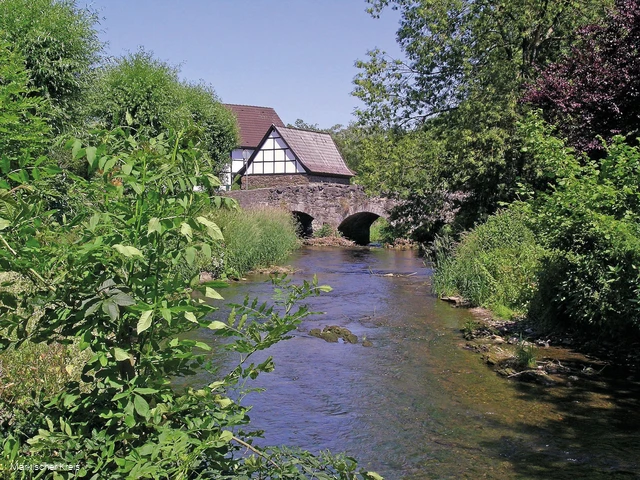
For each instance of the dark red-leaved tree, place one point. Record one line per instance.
(595, 90)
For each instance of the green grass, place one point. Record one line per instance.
(381, 232)
(254, 239)
(525, 355)
(493, 266)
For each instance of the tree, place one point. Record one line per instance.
(59, 43)
(466, 61)
(595, 90)
(211, 127)
(23, 129)
(138, 86)
(143, 93)
(459, 50)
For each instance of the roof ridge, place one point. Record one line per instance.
(306, 130)
(246, 105)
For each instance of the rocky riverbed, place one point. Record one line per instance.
(517, 350)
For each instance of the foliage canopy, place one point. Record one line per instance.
(595, 89)
(23, 130)
(59, 43)
(144, 93)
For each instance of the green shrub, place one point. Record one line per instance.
(326, 231)
(381, 231)
(525, 354)
(253, 239)
(494, 265)
(591, 226)
(117, 291)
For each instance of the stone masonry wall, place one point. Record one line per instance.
(325, 202)
(268, 181)
(278, 180)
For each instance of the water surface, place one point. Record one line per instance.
(416, 405)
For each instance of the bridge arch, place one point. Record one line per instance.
(357, 227)
(305, 223)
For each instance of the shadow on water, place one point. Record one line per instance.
(592, 430)
(416, 405)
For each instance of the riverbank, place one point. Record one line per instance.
(516, 349)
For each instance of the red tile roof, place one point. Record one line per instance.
(254, 122)
(317, 151)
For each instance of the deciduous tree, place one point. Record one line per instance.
(465, 63)
(143, 93)
(595, 90)
(59, 43)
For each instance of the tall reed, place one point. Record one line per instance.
(255, 238)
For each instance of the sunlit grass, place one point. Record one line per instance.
(255, 238)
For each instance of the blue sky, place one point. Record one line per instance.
(296, 56)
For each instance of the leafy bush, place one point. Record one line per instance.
(253, 239)
(59, 43)
(591, 224)
(22, 126)
(144, 93)
(494, 265)
(381, 231)
(525, 354)
(117, 290)
(325, 231)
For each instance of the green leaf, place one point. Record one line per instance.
(91, 155)
(154, 226)
(122, 299)
(185, 229)
(212, 229)
(217, 325)
(110, 308)
(141, 406)
(206, 251)
(226, 436)
(4, 223)
(120, 354)
(214, 181)
(128, 251)
(203, 346)
(145, 390)
(94, 221)
(145, 321)
(77, 145)
(190, 254)
(138, 188)
(191, 317)
(373, 476)
(224, 402)
(211, 293)
(130, 421)
(69, 399)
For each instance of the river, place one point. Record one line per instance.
(415, 405)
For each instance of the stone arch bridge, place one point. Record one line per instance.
(344, 207)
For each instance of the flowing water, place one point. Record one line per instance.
(415, 405)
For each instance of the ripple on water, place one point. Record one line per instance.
(416, 405)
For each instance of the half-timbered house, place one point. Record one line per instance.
(291, 156)
(253, 123)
